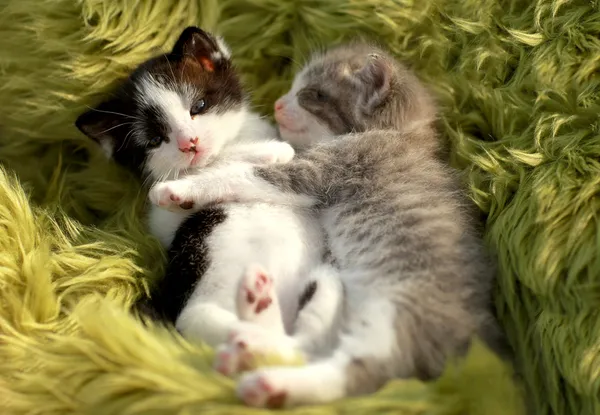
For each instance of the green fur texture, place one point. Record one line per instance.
(517, 82)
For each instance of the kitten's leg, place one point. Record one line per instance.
(215, 326)
(315, 329)
(314, 179)
(176, 194)
(361, 364)
(234, 182)
(267, 152)
(318, 321)
(207, 322)
(257, 303)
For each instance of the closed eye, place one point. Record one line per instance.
(321, 96)
(314, 94)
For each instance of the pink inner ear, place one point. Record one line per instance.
(207, 64)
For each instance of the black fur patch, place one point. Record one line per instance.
(307, 294)
(189, 260)
(154, 123)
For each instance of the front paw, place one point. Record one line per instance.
(172, 195)
(282, 153)
(273, 153)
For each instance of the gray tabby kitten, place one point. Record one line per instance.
(415, 279)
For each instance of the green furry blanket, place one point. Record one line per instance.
(518, 85)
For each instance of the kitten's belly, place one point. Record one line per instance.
(163, 224)
(284, 241)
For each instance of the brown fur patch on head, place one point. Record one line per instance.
(215, 81)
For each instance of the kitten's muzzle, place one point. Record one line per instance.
(187, 146)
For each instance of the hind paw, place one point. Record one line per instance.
(258, 391)
(257, 300)
(249, 345)
(230, 361)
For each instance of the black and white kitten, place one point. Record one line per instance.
(175, 115)
(416, 280)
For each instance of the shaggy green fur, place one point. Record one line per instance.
(518, 85)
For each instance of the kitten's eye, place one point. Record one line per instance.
(198, 108)
(321, 96)
(155, 141)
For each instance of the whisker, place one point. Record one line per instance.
(114, 113)
(116, 126)
(127, 137)
(170, 67)
(295, 63)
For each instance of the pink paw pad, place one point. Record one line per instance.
(261, 393)
(259, 295)
(263, 304)
(223, 365)
(230, 361)
(227, 361)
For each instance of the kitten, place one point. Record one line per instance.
(415, 278)
(175, 115)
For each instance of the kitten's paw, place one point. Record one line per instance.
(260, 391)
(280, 387)
(235, 356)
(230, 361)
(272, 152)
(172, 195)
(256, 294)
(260, 342)
(225, 361)
(250, 346)
(282, 153)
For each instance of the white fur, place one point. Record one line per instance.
(314, 333)
(324, 381)
(223, 48)
(284, 241)
(255, 143)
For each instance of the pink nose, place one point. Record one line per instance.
(278, 105)
(187, 144)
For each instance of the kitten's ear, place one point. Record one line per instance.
(209, 51)
(99, 124)
(376, 77)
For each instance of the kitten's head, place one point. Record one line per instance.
(349, 88)
(175, 111)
